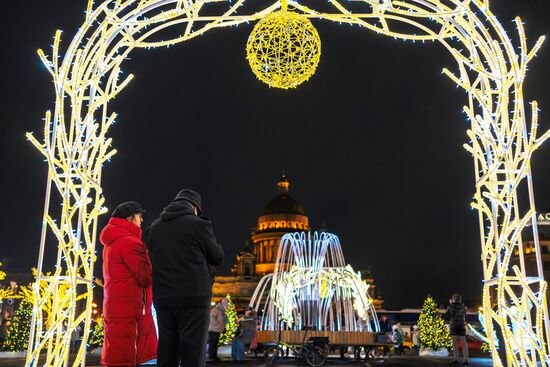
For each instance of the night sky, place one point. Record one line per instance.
(372, 144)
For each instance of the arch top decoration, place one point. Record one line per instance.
(490, 67)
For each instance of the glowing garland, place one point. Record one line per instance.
(491, 70)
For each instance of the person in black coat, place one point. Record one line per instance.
(457, 326)
(183, 251)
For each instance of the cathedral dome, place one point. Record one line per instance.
(282, 215)
(283, 203)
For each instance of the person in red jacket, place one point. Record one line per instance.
(130, 335)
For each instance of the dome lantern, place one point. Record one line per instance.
(283, 203)
(283, 184)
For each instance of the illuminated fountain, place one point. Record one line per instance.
(312, 285)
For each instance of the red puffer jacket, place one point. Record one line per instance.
(130, 335)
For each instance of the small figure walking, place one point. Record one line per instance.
(397, 338)
(218, 320)
(457, 325)
(416, 338)
(76, 339)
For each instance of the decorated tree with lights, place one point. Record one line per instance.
(97, 335)
(2, 273)
(434, 334)
(17, 337)
(231, 326)
(5, 292)
(47, 304)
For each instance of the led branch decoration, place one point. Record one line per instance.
(490, 68)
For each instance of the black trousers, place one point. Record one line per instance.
(213, 341)
(182, 336)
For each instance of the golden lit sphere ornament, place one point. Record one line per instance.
(284, 49)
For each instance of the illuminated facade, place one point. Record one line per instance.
(241, 283)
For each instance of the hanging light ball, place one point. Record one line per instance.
(283, 49)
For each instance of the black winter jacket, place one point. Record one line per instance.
(457, 317)
(183, 250)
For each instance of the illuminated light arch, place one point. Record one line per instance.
(490, 68)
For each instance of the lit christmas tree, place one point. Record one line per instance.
(97, 335)
(5, 292)
(434, 334)
(2, 274)
(231, 327)
(17, 338)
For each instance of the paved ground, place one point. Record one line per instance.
(401, 361)
(397, 361)
(225, 353)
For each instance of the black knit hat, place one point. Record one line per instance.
(127, 209)
(191, 196)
